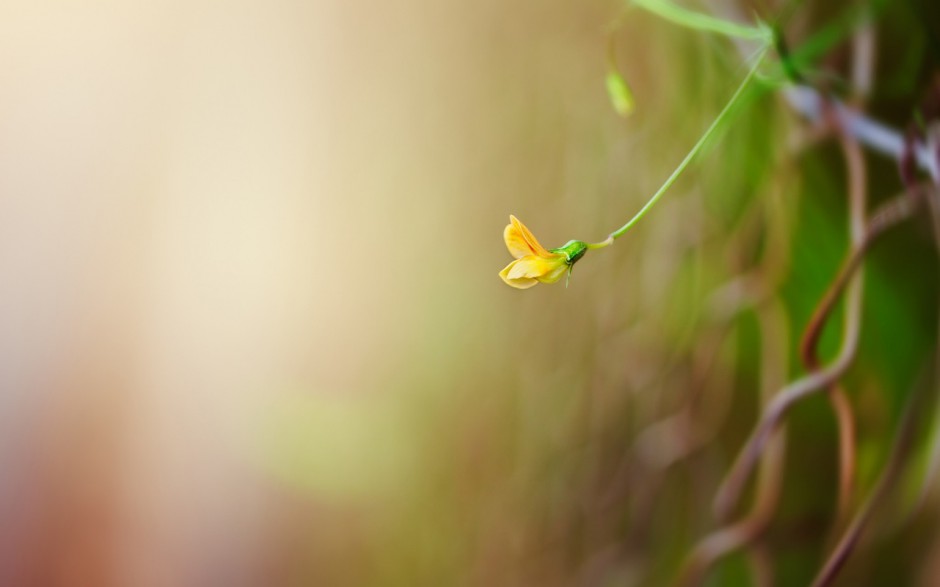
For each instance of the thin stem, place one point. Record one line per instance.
(886, 216)
(721, 118)
(845, 425)
(878, 137)
(902, 441)
(704, 22)
(809, 349)
(604, 243)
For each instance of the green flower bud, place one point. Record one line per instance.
(572, 250)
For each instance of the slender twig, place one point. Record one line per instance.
(809, 348)
(902, 442)
(845, 425)
(878, 137)
(730, 491)
(886, 216)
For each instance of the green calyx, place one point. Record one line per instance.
(572, 250)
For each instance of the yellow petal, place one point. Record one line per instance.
(516, 243)
(530, 266)
(516, 282)
(535, 267)
(529, 238)
(554, 274)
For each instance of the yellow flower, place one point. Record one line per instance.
(534, 263)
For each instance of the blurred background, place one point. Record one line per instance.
(252, 332)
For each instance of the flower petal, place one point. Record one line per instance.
(516, 282)
(531, 241)
(516, 243)
(535, 267)
(555, 274)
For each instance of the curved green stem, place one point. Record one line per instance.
(703, 22)
(719, 120)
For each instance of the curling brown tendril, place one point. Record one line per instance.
(748, 529)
